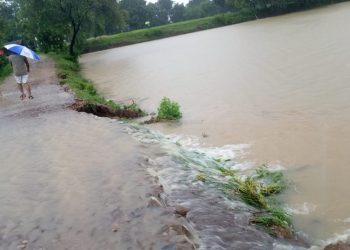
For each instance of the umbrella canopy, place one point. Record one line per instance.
(22, 51)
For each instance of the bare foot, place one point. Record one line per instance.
(23, 96)
(31, 97)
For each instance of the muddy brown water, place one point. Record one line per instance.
(74, 181)
(71, 180)
(280, 85)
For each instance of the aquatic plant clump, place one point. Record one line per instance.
(169, 110)
(273, 217)
(257, 190)
(249, 191)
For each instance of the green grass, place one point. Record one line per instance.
(5, 70)
(143, 35)
(258, 191)
(273, 217)
(273, 181)
(201, 177)
(249, 191)
(169, 110)
(226, 172)
(69, 74)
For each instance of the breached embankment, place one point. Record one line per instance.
(73, 180)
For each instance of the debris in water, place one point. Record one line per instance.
(338, 246)
(181, 211)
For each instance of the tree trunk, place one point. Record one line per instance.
(73, 41)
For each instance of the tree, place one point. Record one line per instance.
(7, 21)
(76, 12)
(137, 13)
(164, 10)
(50, 23)
(201, 8)
(177, 13)
(107, 19)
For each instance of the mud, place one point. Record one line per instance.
(104, 110)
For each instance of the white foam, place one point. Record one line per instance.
(279, 246)
(229, 151)
(343, 237)
(302, 209)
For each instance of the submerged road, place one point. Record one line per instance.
(71, 180)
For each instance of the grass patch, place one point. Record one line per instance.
(257, 191)
(169, 110)
(5, 68)
(201, 177)
(273, 181)
(69, 74)
(273, 217)
(226, 172)
(249, 192)
(143, 35)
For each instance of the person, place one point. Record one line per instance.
(21, 71)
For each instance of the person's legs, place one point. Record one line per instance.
(29, 90)
(27, 86)
(20, 88)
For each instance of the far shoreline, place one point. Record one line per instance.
(122, 39)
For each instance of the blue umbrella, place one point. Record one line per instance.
(22, 51)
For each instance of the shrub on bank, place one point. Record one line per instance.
(169, 110)
(5, 67)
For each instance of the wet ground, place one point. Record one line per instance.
(70, 180)
(74, 181)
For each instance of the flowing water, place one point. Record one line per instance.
(279, 86)
(71, 180)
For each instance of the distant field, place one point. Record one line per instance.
(143, 35)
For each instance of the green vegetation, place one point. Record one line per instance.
(226, 172)
(265, 8)
(65, 25)
(169, 110)
(201, 177)
(249, 191)
(274, 182)
(257, 190)
(143, 35)
(241, 11)
(69, 74)
(5, 68)
(272, 218)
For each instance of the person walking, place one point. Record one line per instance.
(21, 71)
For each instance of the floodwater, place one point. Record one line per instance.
(279, 85)
(71, 180)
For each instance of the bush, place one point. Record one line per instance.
(154, 33)
(5, 67)
(169, 110)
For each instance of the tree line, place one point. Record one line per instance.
(52, 25)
